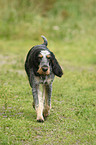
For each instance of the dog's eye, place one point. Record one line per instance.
(48, 56)
(40, 56)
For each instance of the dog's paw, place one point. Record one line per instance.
(40, 119)
(46, 112)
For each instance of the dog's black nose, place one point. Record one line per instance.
(45, 68)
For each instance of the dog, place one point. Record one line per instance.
(41, 67)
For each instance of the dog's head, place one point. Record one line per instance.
(43, 60)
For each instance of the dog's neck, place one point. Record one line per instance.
(43, 79)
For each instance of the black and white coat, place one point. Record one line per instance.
(41, 66)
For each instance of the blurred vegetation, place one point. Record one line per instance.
(63, 19)
(70, 26)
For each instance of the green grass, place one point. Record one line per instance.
(71, 35)
(72, 117)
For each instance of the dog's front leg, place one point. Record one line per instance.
(38, 102)
(48, 92)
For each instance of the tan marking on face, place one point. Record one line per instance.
(48, 56)
(40, 55)
(41, 72)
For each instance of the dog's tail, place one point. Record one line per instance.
(45, 40)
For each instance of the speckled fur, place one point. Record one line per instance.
(41, 81)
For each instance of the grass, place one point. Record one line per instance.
(72, 38)
(73, 99)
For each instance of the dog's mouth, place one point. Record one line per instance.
(44, 70)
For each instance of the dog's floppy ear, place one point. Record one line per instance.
(55, 66)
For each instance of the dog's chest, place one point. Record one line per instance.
(44, 79)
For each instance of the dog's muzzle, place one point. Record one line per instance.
(44, 70)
